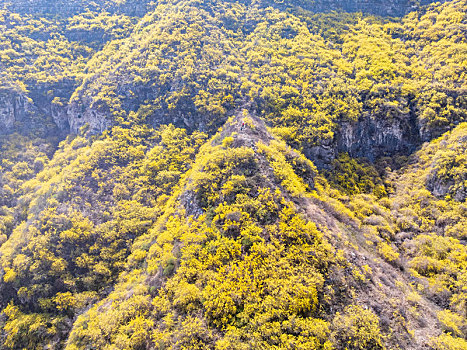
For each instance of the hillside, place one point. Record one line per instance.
(208, 174)
(140, 7)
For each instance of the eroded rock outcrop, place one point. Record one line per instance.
(374, 137)
(370, 137)
(139, 7)
(78, 115)
(16, 110)
(378, 7)
(70, 8)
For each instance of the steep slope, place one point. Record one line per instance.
(252, 249)
(140, 7)
(374, 89)
(429, 207)
(238, 176)
(376, 92)
(66, 232)
(61, 8)
(242, 258)
(42, 62)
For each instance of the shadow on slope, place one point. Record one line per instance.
(251, 253)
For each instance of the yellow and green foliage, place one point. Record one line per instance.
(357, 328)
(284, 67)
(84, 208)
(355, 176)
(249, 268)
(431, 206)
(150, 235)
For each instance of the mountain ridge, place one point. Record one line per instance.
(233, 175)
(140, 7)
(105, 94)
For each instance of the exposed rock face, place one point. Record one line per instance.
(7, 112)
(76, 116)
(72, 7)
(16, 110)
(447, 174)
(377, 137)
(370, 137)
(60, 118)
(322, 155)
(139, 7)
(32, 112)
(440, 187)
(378, 7)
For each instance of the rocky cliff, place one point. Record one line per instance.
(16, 110)
(139, 7)
(69, 8)
(377, 7)
(171, 71)
(369, 137)
(208, 189)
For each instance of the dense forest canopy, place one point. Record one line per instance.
(208, 174)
